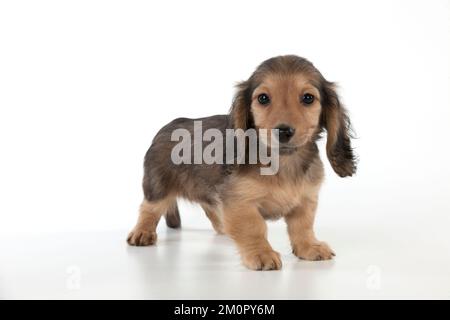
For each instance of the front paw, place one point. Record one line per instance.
(262, 260)
(140, 238)
(313, 251)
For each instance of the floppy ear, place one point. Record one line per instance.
(335, 120)
(240, 109)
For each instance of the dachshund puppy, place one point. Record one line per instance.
(286, 93)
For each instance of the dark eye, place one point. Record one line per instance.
(307, 98)
(263, 99)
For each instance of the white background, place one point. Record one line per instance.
(85, 85)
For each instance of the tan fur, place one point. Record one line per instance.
(300, 228)
(247, 228)
(277, 195)
(300, 222)
(144, 233)
(255, 198)
(239, 199)
(285, 109)
(214, 215)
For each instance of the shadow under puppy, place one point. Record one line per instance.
(286, 93)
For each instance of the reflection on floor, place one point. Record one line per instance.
(198, 264)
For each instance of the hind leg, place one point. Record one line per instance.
(214, 217)
(172, 216)
(144, 233)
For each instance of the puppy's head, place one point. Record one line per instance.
(289, 94)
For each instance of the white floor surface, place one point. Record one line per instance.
(198, 264)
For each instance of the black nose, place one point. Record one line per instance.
(285, 133)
